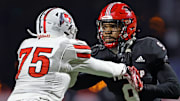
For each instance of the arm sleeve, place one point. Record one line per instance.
(101, 68)
(78, 55)
(168, 84)
(74, 53)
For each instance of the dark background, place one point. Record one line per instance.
(18, 15)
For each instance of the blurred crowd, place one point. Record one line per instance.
(157, 18)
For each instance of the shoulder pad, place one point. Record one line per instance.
(96, 48)
(78, 42)
(154, 47)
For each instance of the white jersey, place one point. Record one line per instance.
(49, 66)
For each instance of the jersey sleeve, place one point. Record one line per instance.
(75, 53)
(158, 51)
(168, 86)
(101, 68)
(78, 54)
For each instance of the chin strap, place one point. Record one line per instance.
(125, 46)
(31, 33)
(125, 51)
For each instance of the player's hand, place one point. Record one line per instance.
(133, 77)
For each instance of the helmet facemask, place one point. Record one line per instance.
(117, 27)
(109, 32)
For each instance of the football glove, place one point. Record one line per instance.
(133, 77)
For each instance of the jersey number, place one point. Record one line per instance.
(36, 57)
(130, 94)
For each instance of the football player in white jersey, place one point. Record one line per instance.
(49, 64)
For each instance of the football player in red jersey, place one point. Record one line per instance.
(116, 32)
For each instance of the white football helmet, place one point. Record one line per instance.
(55, 22)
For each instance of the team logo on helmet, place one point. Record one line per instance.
(65, 18)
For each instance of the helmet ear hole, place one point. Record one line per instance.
(57, 14)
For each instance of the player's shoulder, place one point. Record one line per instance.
(79, 46)
(25, 43)
(77, 50)
(150, 42)
(150, 45)
(97, 48)
(77, 42)
(28, 41)
(147, 40)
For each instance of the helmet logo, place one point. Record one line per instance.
(128, 10)
(64, 18)
(67, 17)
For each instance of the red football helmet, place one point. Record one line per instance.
(121, 14)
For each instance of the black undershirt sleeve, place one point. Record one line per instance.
(168, 86)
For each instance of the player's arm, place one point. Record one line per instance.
(101, 68)
(79, 56)
(169, 86)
